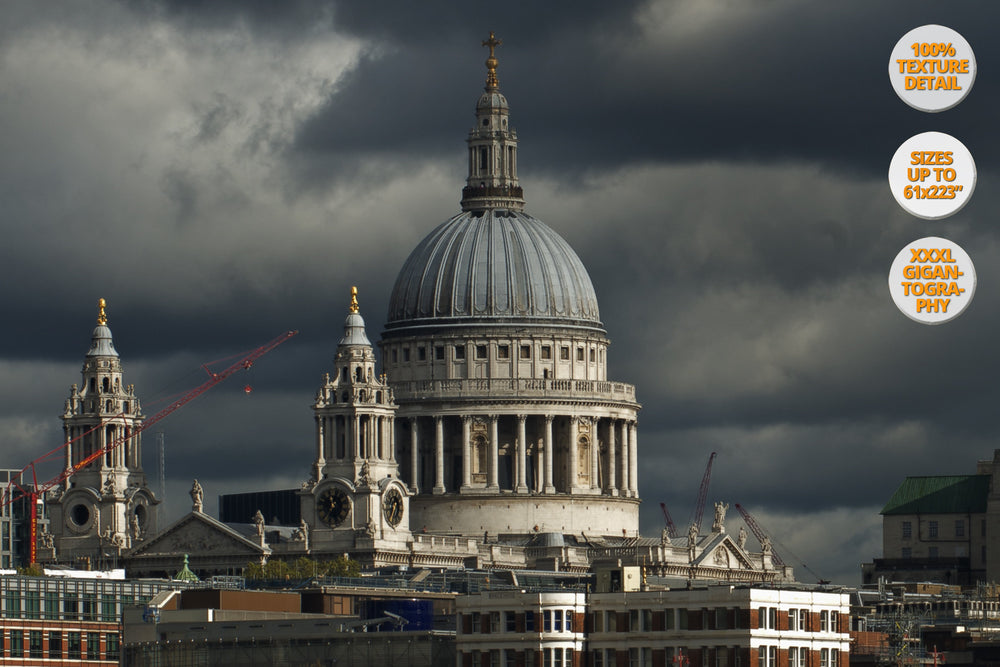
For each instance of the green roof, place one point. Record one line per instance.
(959, 494)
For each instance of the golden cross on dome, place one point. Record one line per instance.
(102, 318)
(354, 299)
(491, 62)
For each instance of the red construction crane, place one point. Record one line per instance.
(759, 533)
(19, 487)
(671, 528)
(775, 558)
(699, 508)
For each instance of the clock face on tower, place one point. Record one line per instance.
(333, 506)
(392, 507)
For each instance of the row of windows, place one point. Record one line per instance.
(767, 619)
(935, 552)
(933, 531)
(798, 656)
(502, 352)
(69, 606)
(719, 656)
(551, 657)
(552, 620)
(28, 643)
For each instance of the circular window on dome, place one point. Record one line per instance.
(80, 515)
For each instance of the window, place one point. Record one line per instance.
(494, 621)
(529, 621)
(475, 622)
(93, 646)
(439, 352)
(406, 354)
(71, 606)
(932, 529)
(510, 658)
(824, 657)
(421, 353)
(824, 621)
(510, 621)
(682, 619)
(557, 620)
(108, 608)
(481, 351)
(17, 643)
(395, 355)
(89, 607)
(772, 618)
(907, 552)
(579, 354)
(959, 528)
(459, 353)
(793, 654)
(112, 652)
(593, 355)
(503, 351)
(564, 353)
(55, 644)
(51, 604)
(12, 603)
(907, 530)
(32, 605)
(932, 552)
(546, 621)
(793, 620)
(598, 621)
(834, 622)
(34, 643)
(526, 352)
(546, 351)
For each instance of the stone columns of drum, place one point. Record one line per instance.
(494, 483)
(574, 455)
(549, 488)
(522, 459)
(595, 455)
(438, 456)
(633, 460)
(356, 437)
(612, 456)
(625, 466)
(320, 442)
(414, 457)
(466, 453)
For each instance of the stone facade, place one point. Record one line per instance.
(104, 506)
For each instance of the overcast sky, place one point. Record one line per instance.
(224, 171)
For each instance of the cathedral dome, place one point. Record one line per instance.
(490, 267)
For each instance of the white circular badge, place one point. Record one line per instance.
(932, 280)
(932, 68)
(932, 175)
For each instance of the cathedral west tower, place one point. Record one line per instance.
(104, 506)
(507, 421)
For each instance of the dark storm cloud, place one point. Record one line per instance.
(224, 171)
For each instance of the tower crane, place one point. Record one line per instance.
(671, 528)
(19, 487)
(759, 533)
(699, 508)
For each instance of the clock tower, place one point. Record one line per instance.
(355, 499)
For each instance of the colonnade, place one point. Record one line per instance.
(542, 454)
(355, 437)
(85, 440)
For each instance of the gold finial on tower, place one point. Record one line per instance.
(102, 318)
(491, 63)
(354, 299)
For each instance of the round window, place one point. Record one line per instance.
(80, 514)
